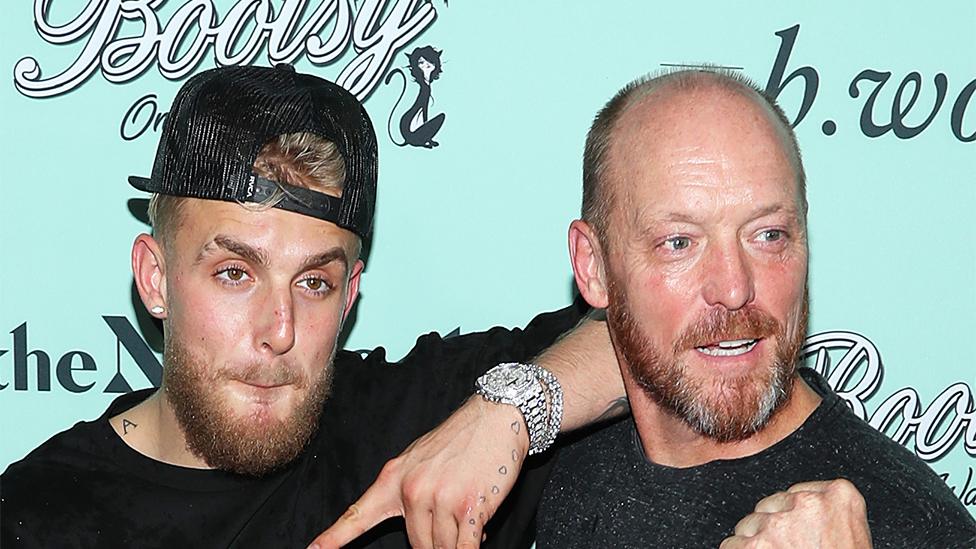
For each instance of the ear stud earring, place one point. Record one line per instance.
(157, 310)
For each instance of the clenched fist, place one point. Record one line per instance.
(824, 514)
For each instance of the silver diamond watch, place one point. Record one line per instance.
(534, 391)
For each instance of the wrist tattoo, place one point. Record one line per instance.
(494, 490)
(514, 456)
(516, 427)
(503, 470)
(126, 424)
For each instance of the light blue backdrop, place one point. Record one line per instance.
(472, 233)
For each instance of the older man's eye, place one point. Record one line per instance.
(677, 243)
(771, 235)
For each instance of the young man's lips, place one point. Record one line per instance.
(728, 348)
(257, 384)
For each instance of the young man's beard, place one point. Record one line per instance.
(242, 445)
(722, 409)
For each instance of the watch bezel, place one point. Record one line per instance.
(507, 382)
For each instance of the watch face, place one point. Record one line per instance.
(507, 381)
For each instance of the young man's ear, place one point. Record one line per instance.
(588, 267)
(149, 270)
(352, 289)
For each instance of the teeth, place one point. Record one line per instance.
(736, 343)
(730, 348)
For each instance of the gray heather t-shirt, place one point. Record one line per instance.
(605, 493)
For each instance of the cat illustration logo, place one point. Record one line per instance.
(417, 128)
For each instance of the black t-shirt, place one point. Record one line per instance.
(604, 492)
(86, 488)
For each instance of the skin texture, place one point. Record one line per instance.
(833, 502)
(255, 299)
(710, 222)
(746, 265)
(450, 482)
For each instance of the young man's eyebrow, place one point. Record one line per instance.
(260, 256)
(248, 252)
(324, 258)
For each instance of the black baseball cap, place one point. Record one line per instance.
(222, 117)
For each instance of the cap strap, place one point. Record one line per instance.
(295, 199)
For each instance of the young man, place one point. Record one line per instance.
(264, 184)
(694, 239)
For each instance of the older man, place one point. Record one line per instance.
(694, 239)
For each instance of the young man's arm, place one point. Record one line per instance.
(449, 482)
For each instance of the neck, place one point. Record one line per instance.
(151, 428)
(668, 440)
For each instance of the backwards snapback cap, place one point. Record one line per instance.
(222, 117)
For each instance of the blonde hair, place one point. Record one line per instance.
(301, 159)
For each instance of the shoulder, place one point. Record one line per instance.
(907, 501)
(79, 452)
(498, 342)
(60, 478)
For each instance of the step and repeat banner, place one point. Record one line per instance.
(474, 206)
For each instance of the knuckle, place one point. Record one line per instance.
(777, 522)
(413, 492)
(443, 494)
(847, 490)
(352, 514)
(390, 471)
(842, 484)
(804, 500)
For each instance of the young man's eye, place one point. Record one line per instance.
(315, 284)
(232, 275)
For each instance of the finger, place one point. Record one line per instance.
(780, 501)
(810, 486)
(735, 542)
(751, 524)
(377, 504)
(471, 529)
(419, 527)
(445, 529)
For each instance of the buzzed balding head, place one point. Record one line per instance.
(661, 96)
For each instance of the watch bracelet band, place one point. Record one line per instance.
(554, 398)
(530, 403)
(541, 405)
